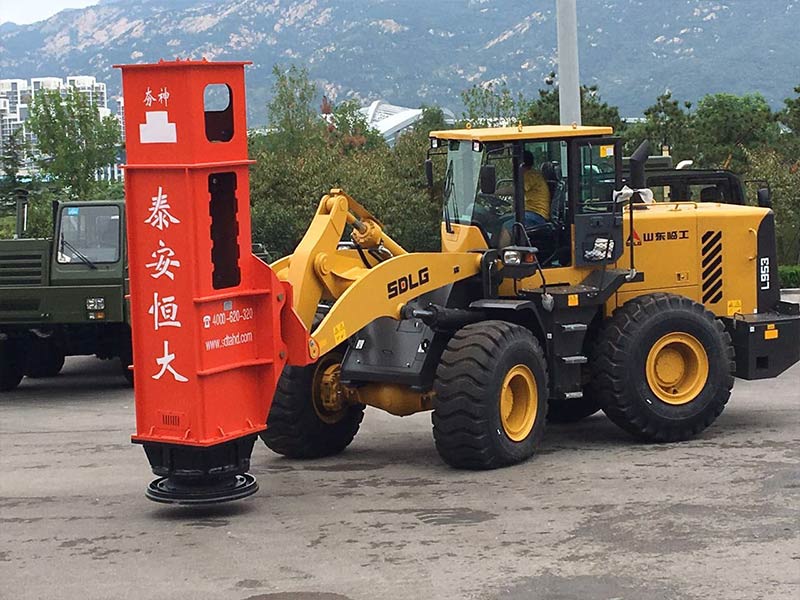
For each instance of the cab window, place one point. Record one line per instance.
(597, 177)
(89, 233)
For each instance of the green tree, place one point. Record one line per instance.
(667, 123)
(789, 117)
(291, 110)
(348, 128)
(303, 156)
(784, 180)
(72, 140)
(490, 105)
(725, 126)
(13, 157)
(544, 110)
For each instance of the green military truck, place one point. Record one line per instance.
(66, 295)
(685, 184)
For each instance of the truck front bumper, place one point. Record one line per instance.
(766, 344)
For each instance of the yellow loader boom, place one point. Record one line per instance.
(361, 286)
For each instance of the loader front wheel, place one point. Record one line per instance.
(663, 368)
(305, 420)
(490, 401)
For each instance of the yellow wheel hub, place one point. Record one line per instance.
(327, 393)
(519, 403)
(677, 368)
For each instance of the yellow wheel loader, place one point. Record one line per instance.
(646, 311)
(610, 301)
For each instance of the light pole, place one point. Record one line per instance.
(569, 94)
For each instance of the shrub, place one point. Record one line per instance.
(789, 276)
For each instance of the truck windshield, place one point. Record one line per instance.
(89, 234)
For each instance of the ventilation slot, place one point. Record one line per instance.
(21, 269)
(170, 420)
(712, 267)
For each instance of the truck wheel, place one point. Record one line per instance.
(12, 364)
(45, 359)
(663, 368)
(126, 355)
(490, 401)
(125, 370)
(572, 411)
(299, 425)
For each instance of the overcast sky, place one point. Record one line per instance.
(21, 12)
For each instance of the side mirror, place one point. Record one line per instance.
(488, 178)
(764, 198)
(429, 172)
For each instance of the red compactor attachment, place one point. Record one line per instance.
(212, 325)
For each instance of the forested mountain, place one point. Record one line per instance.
(421, 51)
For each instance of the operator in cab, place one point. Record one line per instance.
(537, 193)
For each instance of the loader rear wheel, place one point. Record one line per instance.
(663, 368)
(12, 364)
(302, 422)
(572, 411)
(490, 402)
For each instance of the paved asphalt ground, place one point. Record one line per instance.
(594, 515)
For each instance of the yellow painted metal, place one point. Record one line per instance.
(373, 236)
(395, 399)
(677, 368)
(281, 267)
(669, 241)
(519, 402)
(379, 292)
(531, 132)
(462, 238)
(329, 397)
(323, 236)
(317, 269)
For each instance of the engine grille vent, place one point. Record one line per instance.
(712, 267)
(21, 269)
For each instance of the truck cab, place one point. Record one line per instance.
(65, 295)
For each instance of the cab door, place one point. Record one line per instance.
(595, 168)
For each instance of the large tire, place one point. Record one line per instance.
(12, 364)
(45, 358)
(298, 426)
(490, 402)
(663, 368)
(572, 411)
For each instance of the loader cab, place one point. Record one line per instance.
(484, 191)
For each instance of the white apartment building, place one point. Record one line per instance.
(16, 96)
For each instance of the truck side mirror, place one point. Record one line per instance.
(764, 198)
(429, 172)
(488, 178)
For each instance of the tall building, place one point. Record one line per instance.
(86, 84)
(16, 96)
(121, 116)
(14, 100)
